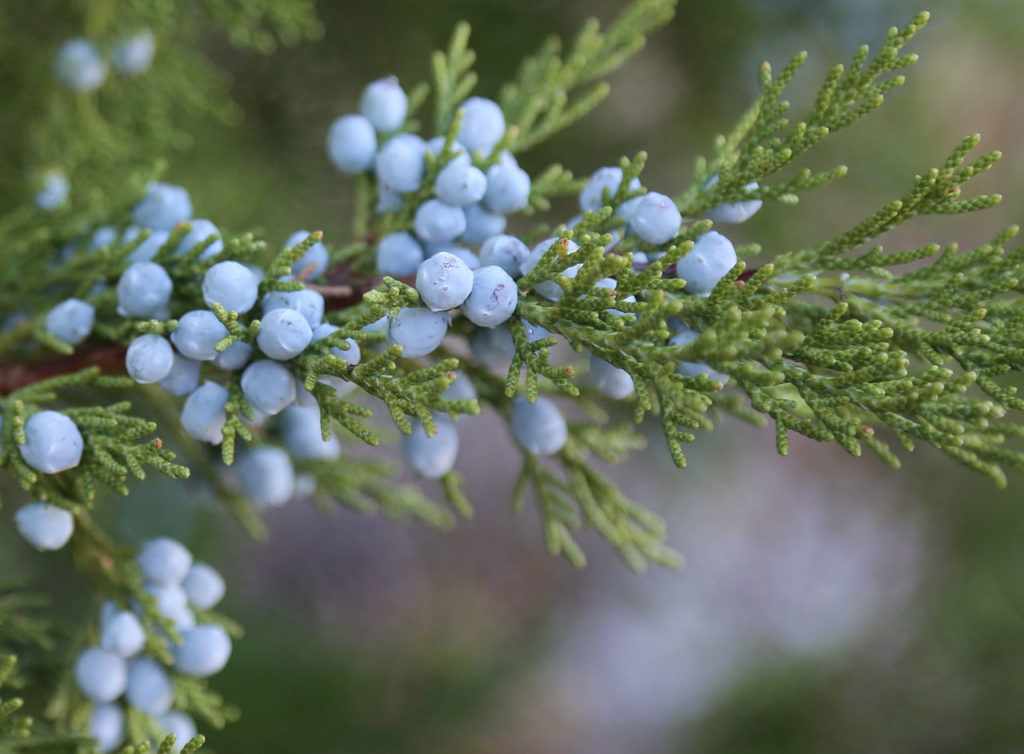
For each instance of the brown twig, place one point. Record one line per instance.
(14, 376)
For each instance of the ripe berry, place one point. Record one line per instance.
(609, 379)
(311, 264)
(197, 335)
(307, 302)
(180, 725)
(149, 247)
(483, 125)
(123, 634)
(79, 66)
(706, 263)
(106, 725)
(419, 331)
(693, 368)
(204, 586)
(352, 144)
(71, 320)
(481, 224)
(149, 359)
(437, 222)
(143, 291)
(284, 334)
(538, 428)
(400, 163)
(508, 188)
(100, 675)
(183, 377)
(267, 476)
(399, 255)
(203, 414)
(592, 195)
(44, 526)
(431, 456)
(268, 386)
(549, 289)
(352, 354)
(384, 104)
(232, 285)
(172, 603)
(656, 218)
(460, 183)
(507, 252)
(234, 357)
(204, 650)
(164, 560)
(202, 229)
(133, 55)
(734, 212)
(163, 206)
(52, 442)
(493, 298)
(53, 189)
(461, 389)
(301, 431)
(149, 688)
(443, 281)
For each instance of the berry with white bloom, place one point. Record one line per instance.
(133, 55)
(461, 389)
(493, 298)
(267, 476)
(710, 259)
(149, 359)
(400, 163)
(301, 430)
(549, 289)
(203, 414)
(149, 247)
(79, 66)
(384, 104)
(592, 195)
(106, 725)
(284, 334)
(202, 230)
(436, 146)
(204, 650)
(163, 206)
(694, 368)
(52, 442)
(460, 183)
(352, 354)
(307, 302)
(507, 252)
(100, 675)
(610, 379)
(431, 456)
(311, 264)
(437, 222)
(164, 560)
(471, 260)
(538, 428)
(183, 377)
(443, 281)
(179, 725)
(234, 357)
(418, 330)
(143, 291)
(71, 320)
(54, 188)
(197, 335)
(483, 125)
(268, 386)
(232, 285)
(656, 218)
(150, 689)
(44, 526)
(481, 224)
(734, 212)
(352, 144)
(508, 188)
(399, 255)
(172, 603)
(123, 634)
(204, 586)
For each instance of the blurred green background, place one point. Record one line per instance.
(829, 604)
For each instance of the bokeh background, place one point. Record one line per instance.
(829, 604)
